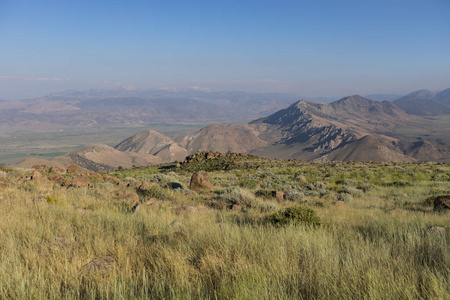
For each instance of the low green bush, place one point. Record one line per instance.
(296, 215)
(155, 191)
(51, 199)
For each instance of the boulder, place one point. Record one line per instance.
(57, 171)
(144, 186)
(442, 202)
(42, 168)
(77, 182)
(96, 175)
(200, 181)
(112, 179)
(36, 176)
(77, 170)
(128, 196)
(278, 194)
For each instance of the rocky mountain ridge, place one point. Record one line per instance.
(352, 128)
(425, 103)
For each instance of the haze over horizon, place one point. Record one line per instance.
(309, 48)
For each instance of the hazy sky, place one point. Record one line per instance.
(310, 48)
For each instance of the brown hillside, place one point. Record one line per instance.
(149, 142)
(368, 148)
(222, 138)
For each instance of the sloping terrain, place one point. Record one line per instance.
(96, 158)
(425, 103)
(154, 143)
(222, 138)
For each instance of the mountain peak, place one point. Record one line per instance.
(354, 98)
(423, 94)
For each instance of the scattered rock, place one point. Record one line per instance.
(200, 181)
(77, 182)
(442, 202)
(128, 196)
(144, 186)
(236, 207)
(136, 207)
(437, 229)
(189, 209)
(76, 170)
(96, 175)
(57, 171)
(98, 265)
(41, 168)
(278, 194)
(113, 180)
(36, 176)
(216, 204)
(150, 201)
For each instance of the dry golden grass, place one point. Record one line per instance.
(378, 246)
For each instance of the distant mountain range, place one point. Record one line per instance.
(352, 128)
(136, 107)
(425, 103)
(119, 107)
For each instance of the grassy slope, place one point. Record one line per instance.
(378, 246)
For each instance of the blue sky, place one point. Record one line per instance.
(309, 48)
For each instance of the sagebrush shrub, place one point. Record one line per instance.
(347, 198)
(236, 195)
(296, 215)
(294, 195)
(352, 191)
(155, 191)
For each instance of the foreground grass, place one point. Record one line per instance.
(378, 246)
